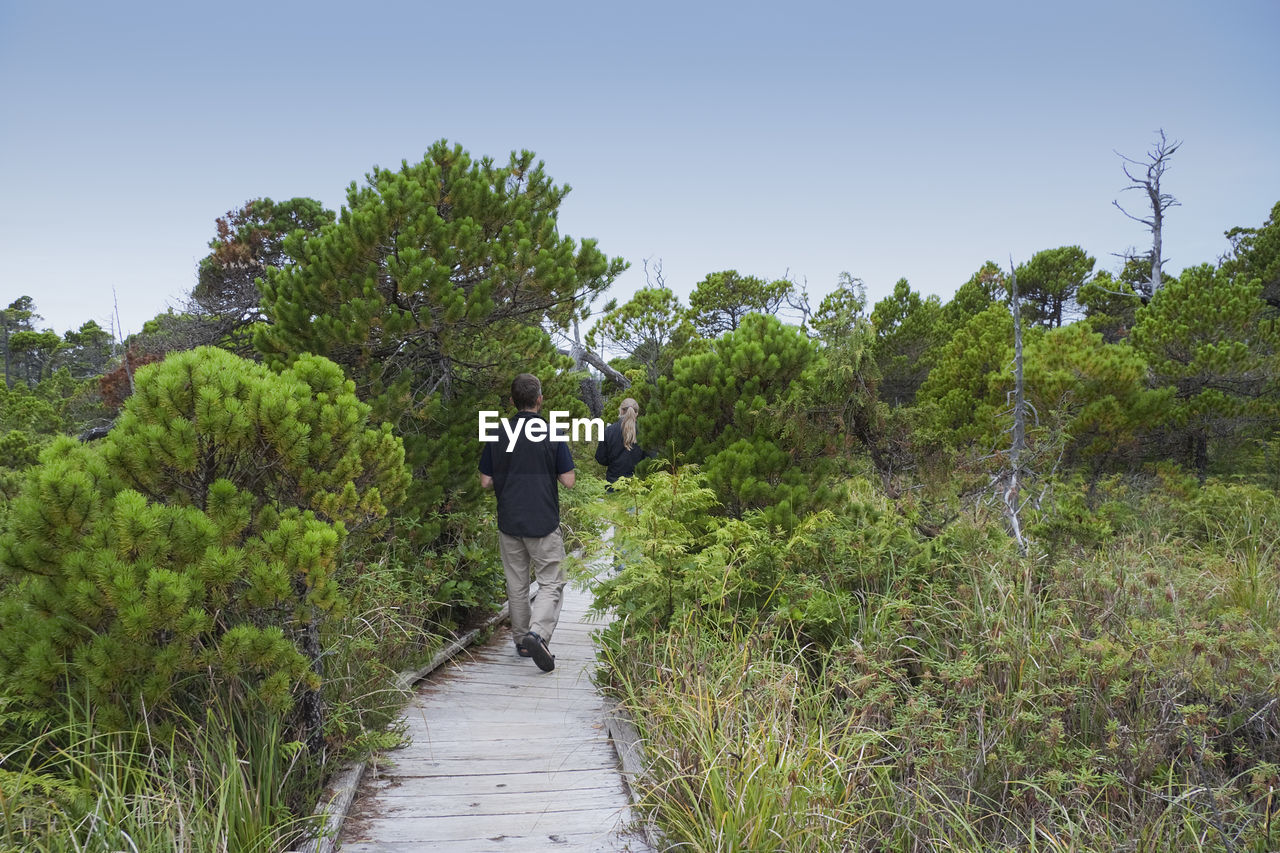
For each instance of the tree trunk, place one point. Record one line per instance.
(588, 387)
(1011, 495)
(312, 702)
(599, 364)
(1157, 222)
(1155, 165)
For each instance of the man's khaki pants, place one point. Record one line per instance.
(544, 555)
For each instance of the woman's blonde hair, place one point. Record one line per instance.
(628, 412)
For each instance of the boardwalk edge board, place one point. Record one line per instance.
(334, 805)
(630, 749)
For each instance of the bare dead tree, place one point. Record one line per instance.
(656, 279)
(1019, 441)
(589, 387)
(582, 354)
(119, 330)
(797, 299)
(1146, 175)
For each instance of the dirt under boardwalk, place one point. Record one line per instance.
(503, 757)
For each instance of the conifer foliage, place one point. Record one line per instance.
(1207, 336)
(725, 410)
(192, 552)
(432, 290)
(249, 241)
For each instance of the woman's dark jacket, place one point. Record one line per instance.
(617, 460)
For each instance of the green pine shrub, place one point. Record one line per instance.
(726, 410)
(193, 552)
(679, 556)
(32, 416)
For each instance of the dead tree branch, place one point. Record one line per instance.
(1146, 175)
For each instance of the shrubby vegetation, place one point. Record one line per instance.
(856, 685)
(826, 632)
(191, 553)
(883, 669)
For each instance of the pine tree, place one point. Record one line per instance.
(724, 410)
(1091, 393)
(28, 422)
(984, 287)
(651, 329)
(838, 404)
(86, 351)
(1110, 306)
(1087, 397)
(194, 550)
(965, 389)
(906, 330)
(1049, 284)
(249, 242)
(20, 316)
(1207, 337)
(431, 291)
(1255, 253)
(720, 301)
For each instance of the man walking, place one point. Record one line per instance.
(524, 479)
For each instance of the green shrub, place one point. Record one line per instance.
(726, 411)
(192, 552)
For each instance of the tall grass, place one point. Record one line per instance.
(214, 787)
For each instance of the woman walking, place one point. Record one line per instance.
(620, 450)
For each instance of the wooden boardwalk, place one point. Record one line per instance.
(502, 757)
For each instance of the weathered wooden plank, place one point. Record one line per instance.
(530, 722)
(535, 701)
(494, 784)
(544, 823)
(574, 707)
(480, 806)
(587, 787)
(512, 750)
(539, 689)
(528, 713)
(426, 734)
(578, 649)
(565, 842)
(518, 683)
(422, 766)
(515, 667)
(499, 731)
(501, 743)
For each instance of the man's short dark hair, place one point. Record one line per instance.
(525, 390)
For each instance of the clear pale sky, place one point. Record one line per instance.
(913, 139)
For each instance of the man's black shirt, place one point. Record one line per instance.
(525, 480)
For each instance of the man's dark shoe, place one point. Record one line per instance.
(537, 650)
